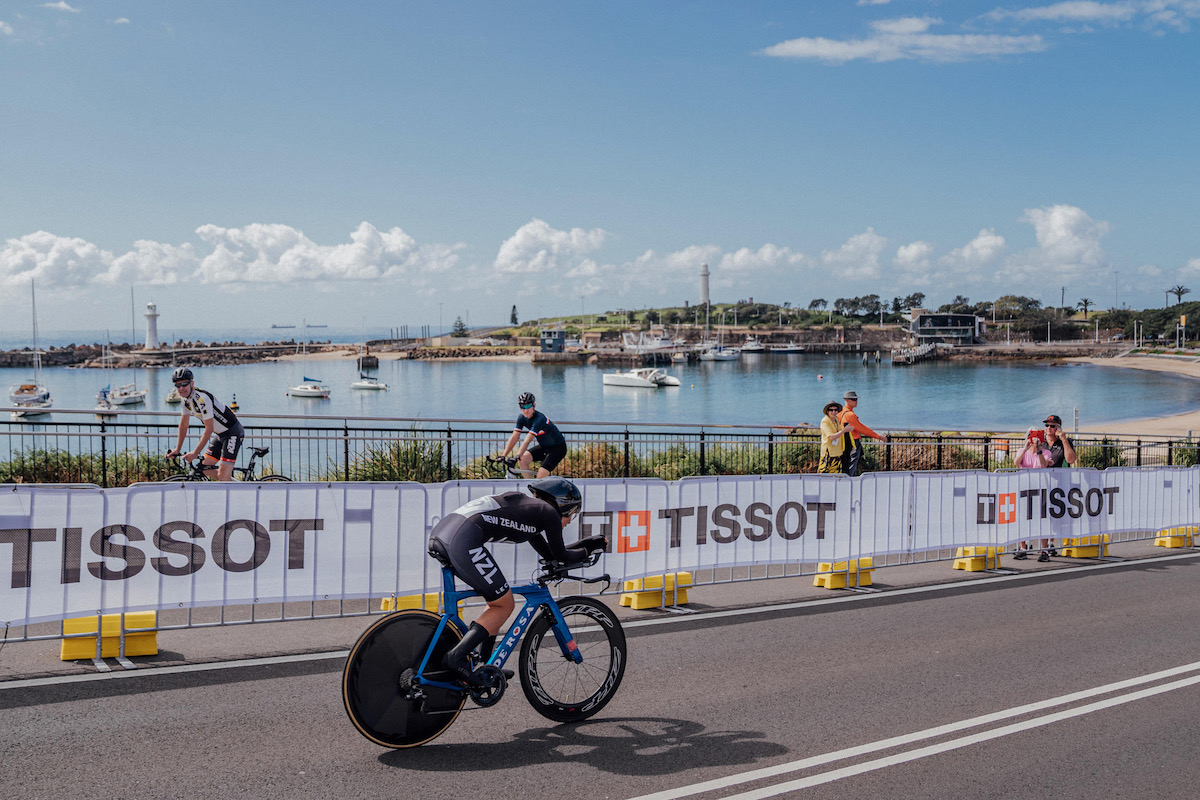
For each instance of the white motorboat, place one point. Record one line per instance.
(718, 353)
(309, 387)
(643, 378)
(128, 395)
(173, 398)
(790, 347)
(367, 382)
(31, 397)
(753, 345)
(31, 409)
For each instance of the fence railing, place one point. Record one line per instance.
(112, 453)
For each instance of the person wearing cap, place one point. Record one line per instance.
(833, 439)
(1034, 455)
(1062, 452)
(852, 459)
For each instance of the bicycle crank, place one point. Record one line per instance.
(491, 686)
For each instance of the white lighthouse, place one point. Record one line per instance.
(152, 327)
(704, 284)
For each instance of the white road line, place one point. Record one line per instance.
(941, 730)
(966, 741)
(182, 668)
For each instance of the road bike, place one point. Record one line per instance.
(572, 659)
(199, 471)
(511, 470)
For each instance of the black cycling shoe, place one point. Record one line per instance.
(458, 660)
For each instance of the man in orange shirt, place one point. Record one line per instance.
(849, 419)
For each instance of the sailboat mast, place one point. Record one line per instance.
(37, 356)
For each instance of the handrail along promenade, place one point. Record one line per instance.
(116, 452)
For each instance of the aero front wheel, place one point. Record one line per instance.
(274, 479)
(381, 663)
(556, 686)
(178, 479)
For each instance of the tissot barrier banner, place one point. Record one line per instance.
(78, 550)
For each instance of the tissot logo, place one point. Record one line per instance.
(1056, 503)
(722, 524)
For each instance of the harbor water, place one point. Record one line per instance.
(758, 389)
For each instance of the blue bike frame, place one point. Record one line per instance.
(536, 596)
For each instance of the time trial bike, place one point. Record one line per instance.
(572, 659)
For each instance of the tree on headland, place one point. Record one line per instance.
(459, 329)
(1085, 304)
(820, 303)
(1179, 292)
(512, 319)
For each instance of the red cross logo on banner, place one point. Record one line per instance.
(1007, 504)
(637, 522)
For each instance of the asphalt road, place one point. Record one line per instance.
(1044, 686)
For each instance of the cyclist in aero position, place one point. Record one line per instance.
(548, 444)
(220, 424)
(459, 540)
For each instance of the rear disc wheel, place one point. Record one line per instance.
(377, 681)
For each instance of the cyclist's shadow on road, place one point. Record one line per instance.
(625, 746)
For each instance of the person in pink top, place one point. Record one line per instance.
(1035, 455)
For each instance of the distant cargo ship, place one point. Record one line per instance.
(283, 326)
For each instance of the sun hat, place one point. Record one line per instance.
(849, 396)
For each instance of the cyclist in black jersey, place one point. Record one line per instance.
(459, 540)
(544, 443)
(220, 424)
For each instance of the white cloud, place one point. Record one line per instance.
(907, 38)
(121, 21)
(61, 6)
(1072, 11)
(53, 261)
(153, 264)
(536, 247)
(872, 2)
(914, 257)
(767, 257)
(5, 28)
(1156, 13)
(1191, 270)
(261, 253)
(1068, 246)
(857, 258)
(980, 253)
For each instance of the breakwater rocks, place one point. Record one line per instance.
(1033, 351)
(465, 352)
(69, 356)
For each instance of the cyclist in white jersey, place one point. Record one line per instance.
(220, 424)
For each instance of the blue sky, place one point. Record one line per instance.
(401, 162)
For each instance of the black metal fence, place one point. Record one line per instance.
(118, 453)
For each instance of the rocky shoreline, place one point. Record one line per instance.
(90, 356)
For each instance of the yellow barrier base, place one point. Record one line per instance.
(1084, 547)
(427, 601)
(1182, 536)
(136, 644)
(844, 574)
(654, 590)
(977, 559)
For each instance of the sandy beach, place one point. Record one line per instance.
(1177, 425)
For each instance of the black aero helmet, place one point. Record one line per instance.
(181, 374)
(558, 492)
(525, 399)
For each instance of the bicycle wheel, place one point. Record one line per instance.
(181, 479)
(372, 690)
(556, 686)
(274, 479)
